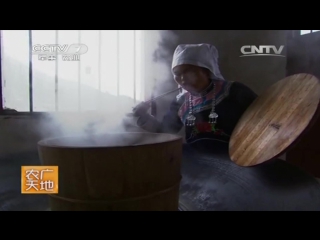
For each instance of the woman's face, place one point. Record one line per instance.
(192, 78)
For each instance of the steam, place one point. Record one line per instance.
(113, 114)
(162, 59)
(159, 75)
(90, 125)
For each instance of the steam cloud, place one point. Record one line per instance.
(91, 125)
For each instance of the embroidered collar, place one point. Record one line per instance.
(204, 103)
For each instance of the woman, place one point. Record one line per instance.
(209, 107)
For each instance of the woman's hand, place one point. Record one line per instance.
(141, 109)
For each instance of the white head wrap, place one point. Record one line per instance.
(202, 55)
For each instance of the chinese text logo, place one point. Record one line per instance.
(39, 179)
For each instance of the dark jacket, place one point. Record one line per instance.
(232, 99)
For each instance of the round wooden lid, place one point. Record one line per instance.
(275, 120)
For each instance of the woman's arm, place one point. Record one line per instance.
(243, 95)
(239, 99)
(170, 123)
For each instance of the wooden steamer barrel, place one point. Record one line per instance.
(115, 172)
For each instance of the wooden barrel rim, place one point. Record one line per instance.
(117, 201)
(47, 143)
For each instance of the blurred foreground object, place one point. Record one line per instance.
(275, 120)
